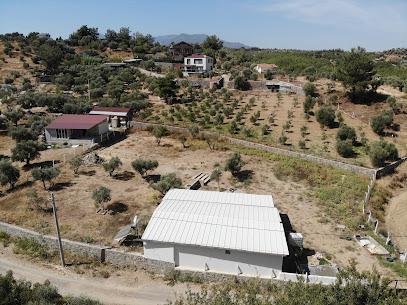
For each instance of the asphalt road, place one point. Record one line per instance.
(108, 291)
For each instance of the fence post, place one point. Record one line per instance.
(376, 227)
(388, 238)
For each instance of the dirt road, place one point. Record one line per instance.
(113, 290)
(396, 216)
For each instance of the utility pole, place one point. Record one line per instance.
(61, 250)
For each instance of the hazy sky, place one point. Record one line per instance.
(301, 24)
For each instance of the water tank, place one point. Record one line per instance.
(115, 122)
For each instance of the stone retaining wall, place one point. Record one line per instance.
(279, 151)
(100, 253)
(137, 260)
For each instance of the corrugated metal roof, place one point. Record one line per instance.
(235, 221)
(77, 121)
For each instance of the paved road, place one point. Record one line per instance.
(108, 291)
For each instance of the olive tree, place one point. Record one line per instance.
(167, 182)
(234, 164)
(113, 164)
(381, 151)
(142, 166)
(25, 151)
(9, 174)
(101, 195)
(159, 132)
(45, 174)
(326, 116)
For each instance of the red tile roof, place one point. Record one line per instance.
(111, 109)
(77, 121)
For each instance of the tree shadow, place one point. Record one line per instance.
(17, 187)
(61, 186)
(244, 175)
(124, 176)
(89, 173)
(117, 207)
(42, 164)
(152, 178)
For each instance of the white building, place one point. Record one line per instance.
(198, 64)
(262, 68)
(232, 233)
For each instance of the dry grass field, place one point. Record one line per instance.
(132, 195)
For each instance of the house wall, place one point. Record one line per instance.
(159, 251)
(207, 63)
(92, 135)
(195, 258)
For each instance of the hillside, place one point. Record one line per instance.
(194, 38)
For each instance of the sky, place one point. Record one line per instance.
(295, 24)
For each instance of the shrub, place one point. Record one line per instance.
(143, 166)
(22, 134)
(380, 122)
(75, 163)
(282, 139)
(113, 164)
(45, 174)
(234, 164)
(159, 132)
(310, 90)
(309, 103)
(326, 116)
(101, 195)
(167, 182)
(346, 132)
(30, 247)
(25, 151)
(9, 174)
(242, 84)
(344, 148)
(382, 151)
(302, 144)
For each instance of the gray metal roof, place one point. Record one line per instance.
(237, 221)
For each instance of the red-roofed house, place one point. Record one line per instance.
(198, 64)
(77, 129)
(261, 68)
(118, 116)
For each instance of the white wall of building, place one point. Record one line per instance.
(159, 251)
(216, 260)
(206, 65)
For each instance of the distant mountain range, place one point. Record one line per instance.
(194, 38)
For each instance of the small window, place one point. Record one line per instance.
(227, 251)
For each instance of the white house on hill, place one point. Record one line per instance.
(198, 64)
(231, 233)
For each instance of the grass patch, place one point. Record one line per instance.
(175, 276)
(31, 247)
(397, 267)
(4, 238)
(340, 192)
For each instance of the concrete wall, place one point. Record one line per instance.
(215, 260)
(237, 262)
(159, 251)
(279, 151)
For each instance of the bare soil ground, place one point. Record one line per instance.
(121, 287)
(396, 211)
(319, 141)
(133, 194)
